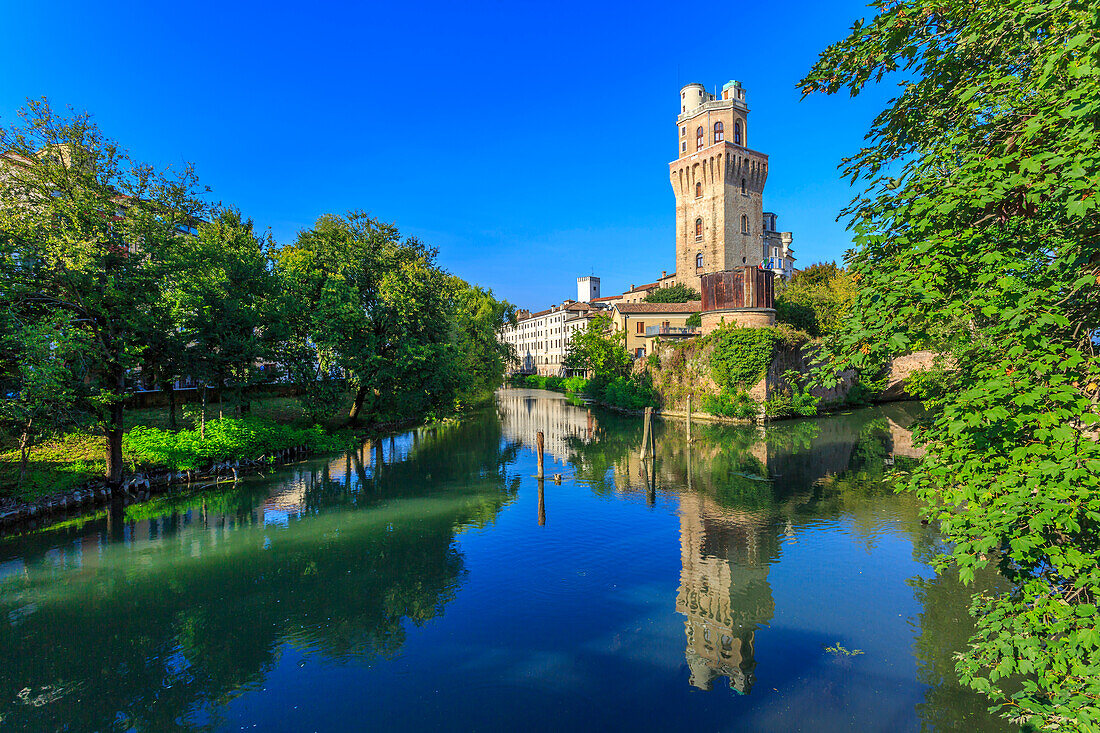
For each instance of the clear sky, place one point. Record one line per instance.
(529, 142)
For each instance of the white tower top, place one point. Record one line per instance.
(588, 288)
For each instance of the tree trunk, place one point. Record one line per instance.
(357, 406)
(170, 390)
(113, 432)
(24, 443)
(202, 413)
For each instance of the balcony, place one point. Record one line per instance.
(670, 331)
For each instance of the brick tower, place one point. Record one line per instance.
(719, 185)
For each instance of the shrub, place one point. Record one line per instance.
(741, 355)
(631, 393)
(739, 405)
(576, 385)
(225, 439)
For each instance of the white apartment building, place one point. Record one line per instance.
(541, 340)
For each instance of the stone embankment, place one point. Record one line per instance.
(684, 371)
(134, 488)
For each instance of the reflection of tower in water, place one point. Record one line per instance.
(724, 590)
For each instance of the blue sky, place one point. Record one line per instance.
(529, 142)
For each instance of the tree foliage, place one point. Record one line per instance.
(599, 350)
(977, 234)
(678, 293)
(85, 232)
(115, 276)
(817, 299)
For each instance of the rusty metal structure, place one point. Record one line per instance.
(740, 287)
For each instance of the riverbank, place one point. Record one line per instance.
(64, 476)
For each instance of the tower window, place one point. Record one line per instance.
(683, 147)
(744, 191)
(737, 132)
(698, 190)
(699, 138)
(698, 230)
(718, 129)
(683, 131)
(699, 260)
(744, 224)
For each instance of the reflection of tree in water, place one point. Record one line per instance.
(159, 639)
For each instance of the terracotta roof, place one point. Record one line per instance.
(649, 286)
(692, 306)
(609, 297)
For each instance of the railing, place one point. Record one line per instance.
(670, 331)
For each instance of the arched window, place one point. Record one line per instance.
(718, 132)
(743, 189)
(699, 138)
(698, 190)
(699, 260)
(698, 230)
(737, 132)
(744, 224)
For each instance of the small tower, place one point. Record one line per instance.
(588, 288)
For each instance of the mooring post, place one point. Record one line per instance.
(645, 433)
(542, 504)
(689, 418)
(538, 448)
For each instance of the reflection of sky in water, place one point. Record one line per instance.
(409, 586)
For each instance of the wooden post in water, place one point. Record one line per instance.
(538, 449)
(542, 505)
(689, 418)
(645, 433)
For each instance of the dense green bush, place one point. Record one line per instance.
(576, 385)
(738, 404)
(741, 355)
(673, 294)
(797, 400)
(225, 439)
(631, 393)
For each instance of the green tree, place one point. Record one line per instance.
(678, 293)
(817, 299)
(375, 309)
(85, 232)
(223, 294)
(977, 234)
(478, 319)
(599, 349)
(40, 367)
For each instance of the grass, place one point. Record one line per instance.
(64, 462)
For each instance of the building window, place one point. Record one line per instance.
(640, 328)
(737, 132)
(744, 224)
(718, 132)
(699, 138)
(639, 352)
(744, 191)
(698, 190)
(699, 260)
(775, 251)
(683, 131)
(698, 230)
(683, 147)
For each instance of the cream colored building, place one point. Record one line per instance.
(645, 323)
(541, 340)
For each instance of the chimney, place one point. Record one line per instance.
(664, 274)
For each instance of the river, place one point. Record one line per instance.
(752, 579)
